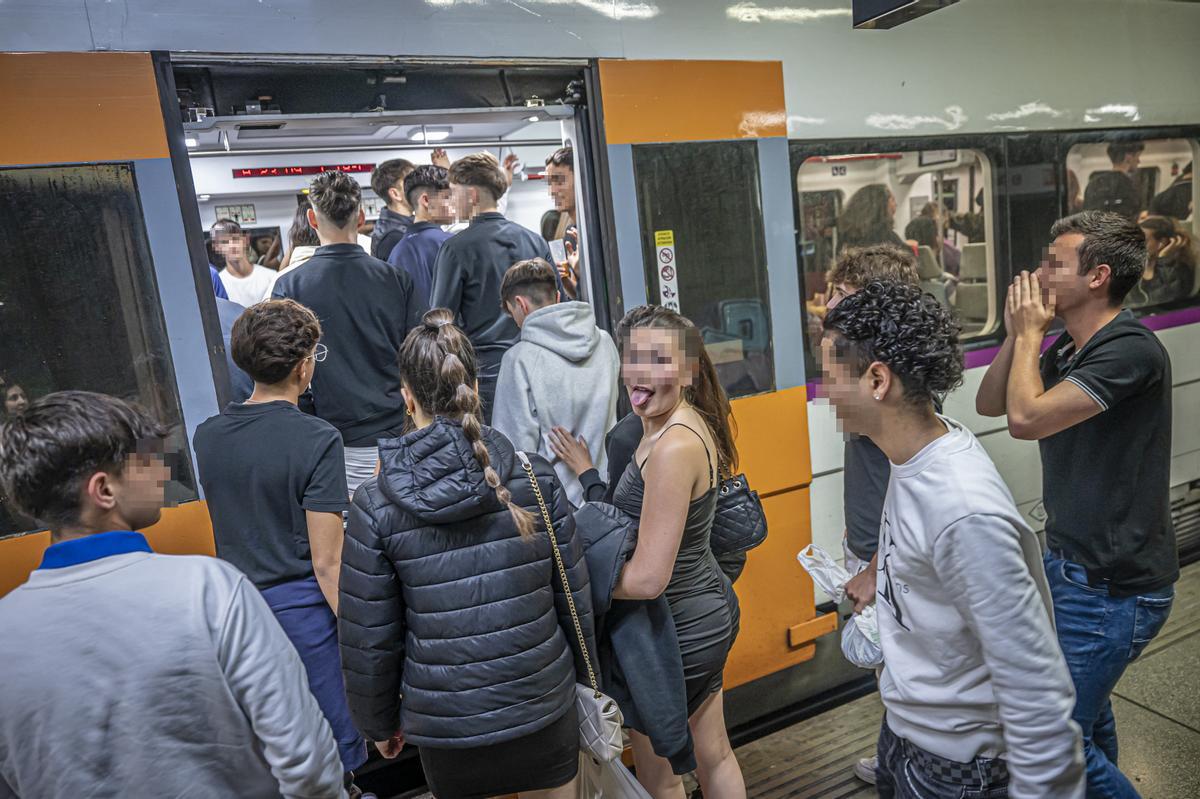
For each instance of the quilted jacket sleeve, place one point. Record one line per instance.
(370, 623)
(570, 544)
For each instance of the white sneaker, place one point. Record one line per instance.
(864, 769)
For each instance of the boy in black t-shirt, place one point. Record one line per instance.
(1097, 399)
(275, 481)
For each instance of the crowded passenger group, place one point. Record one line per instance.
(432, 527)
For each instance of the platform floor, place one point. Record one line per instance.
(1157, 705)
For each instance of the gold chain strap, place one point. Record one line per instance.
(562, 573)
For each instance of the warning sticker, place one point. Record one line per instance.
(668, 284)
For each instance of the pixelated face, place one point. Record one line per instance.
(846, 387)
(15, 400)
(1059, 272)
(441, 206)
(655, 369)
(463, 199)
(231, 245)
(561, 181)
(143, 486)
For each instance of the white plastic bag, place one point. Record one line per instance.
(860, 639)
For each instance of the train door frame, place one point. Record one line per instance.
(591, 171)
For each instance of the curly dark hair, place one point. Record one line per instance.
(905, 329)
(270, 338)
(336, 196)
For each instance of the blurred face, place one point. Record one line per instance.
(655, 369)
(438, 206)
(1130, 163)
(561, 181)
(15, 400)
(463, 200)
(891, 204)
(1059, 273)
(1153, 244)
(231, 245)
(849, 391)
(140, 490)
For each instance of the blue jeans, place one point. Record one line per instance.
(1100, 635)
(900, 775)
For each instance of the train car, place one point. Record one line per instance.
(717, 147)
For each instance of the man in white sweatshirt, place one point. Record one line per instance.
(128, 673)
(562, 372)
(977, 694)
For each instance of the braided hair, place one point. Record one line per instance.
(437, 365)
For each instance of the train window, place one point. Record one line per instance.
(705, 253)
(931, 201)
(79, 302)
(1149, 181)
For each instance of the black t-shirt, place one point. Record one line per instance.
(366, 309)
(864, 487)
(262, 466)
(1106, 481)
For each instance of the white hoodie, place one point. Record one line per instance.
(564, 372)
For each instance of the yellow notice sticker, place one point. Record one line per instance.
(664, 238)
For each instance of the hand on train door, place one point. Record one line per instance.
(568, 270)
(392, 746)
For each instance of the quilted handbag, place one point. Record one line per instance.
(599, 717)
(739, 523)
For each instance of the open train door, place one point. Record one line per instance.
(697, 160)
(98, 290)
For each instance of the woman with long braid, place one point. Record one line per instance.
(454, 627)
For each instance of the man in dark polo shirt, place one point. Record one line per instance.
(1099, 404)
(366, 308)
(471, 265)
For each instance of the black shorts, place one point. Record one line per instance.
(545, 759)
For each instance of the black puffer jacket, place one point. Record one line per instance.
(453, 628)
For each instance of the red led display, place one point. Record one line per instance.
(290, 171)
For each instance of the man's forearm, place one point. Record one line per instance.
(1024, 384)
(990, 400)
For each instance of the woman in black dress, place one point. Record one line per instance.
(671, 487)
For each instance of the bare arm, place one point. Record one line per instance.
(1033, 412)
(861, 588)
(325, 536)
(670, 480)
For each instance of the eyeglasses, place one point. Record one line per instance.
(320, 353)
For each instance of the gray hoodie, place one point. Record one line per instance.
(563, 371)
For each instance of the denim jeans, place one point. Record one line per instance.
(899, 776)
(1100, 635)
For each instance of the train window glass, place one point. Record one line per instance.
(1149, 181)
(79, 303)
(930, 201)
(705, 254)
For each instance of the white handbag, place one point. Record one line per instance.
(599, 717)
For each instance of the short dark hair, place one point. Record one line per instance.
(1120, 150)
(390, 175)
(226, 226)
(563, 156)
(904, 328)
(335, 196)
(858, 266)
(270, 338)
(426, 177)
(533, 278)
(481, 171)
(49, 452)
(1111, 239)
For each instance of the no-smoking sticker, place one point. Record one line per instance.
(668, 285)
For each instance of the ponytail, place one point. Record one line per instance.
(437, 363)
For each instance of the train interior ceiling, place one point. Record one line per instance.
(256, 135)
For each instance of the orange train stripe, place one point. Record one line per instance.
(79, 107)
(185, 530)
(674, 101)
